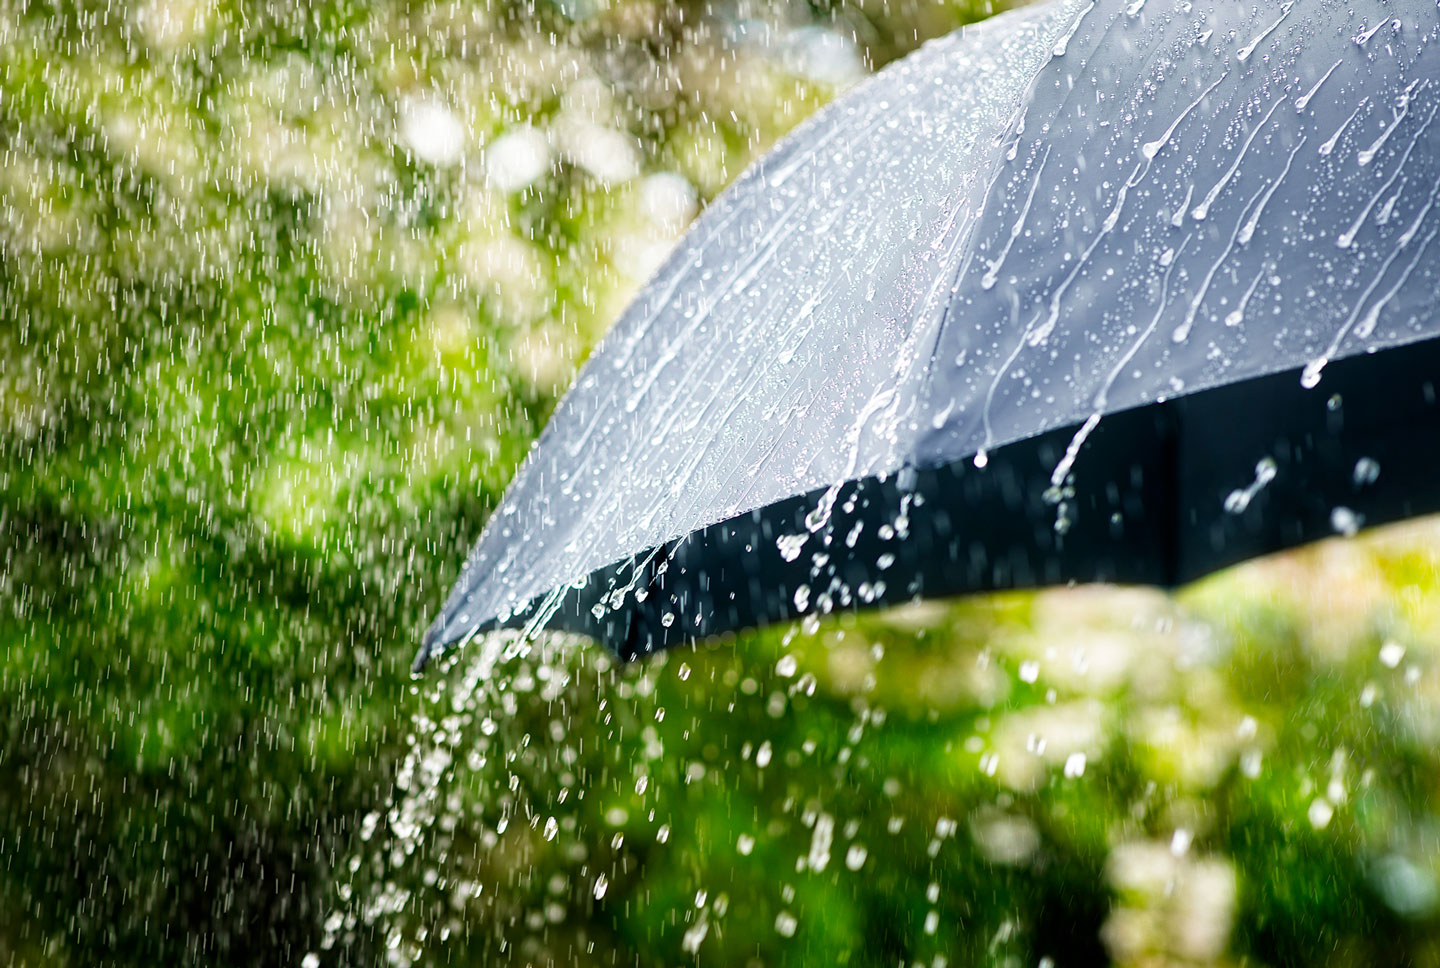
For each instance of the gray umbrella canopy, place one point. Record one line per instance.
(1097, 289)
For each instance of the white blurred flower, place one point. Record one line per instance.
(518, 158)
(821, 55)
(1027, 743)
(507, 268)
(1193, 749)
(589, 98)
(545, 357)
(432, 131)
(1203, 910)
(347, 242)
(159, 142)
(1170, 907)
(607, 155)
(668, 200)
(1004, 838)
(1409, 889)
(451, 330)
(1143, 869)
(289, 86)
(174, 23)
(281, 152)
(1127, 934)
(639, 255)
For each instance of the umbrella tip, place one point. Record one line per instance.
(428, 648)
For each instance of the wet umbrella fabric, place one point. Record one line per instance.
(1116, 291)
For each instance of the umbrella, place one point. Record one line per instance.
(1097, 290)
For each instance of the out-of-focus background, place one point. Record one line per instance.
(287, 289)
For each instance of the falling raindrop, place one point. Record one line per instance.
(1237, 501)
(791, 545)
(1346, 522)
(1367, 471)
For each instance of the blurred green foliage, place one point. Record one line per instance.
(1242, 775)
(285, 292)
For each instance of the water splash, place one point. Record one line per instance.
(1237, 501)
